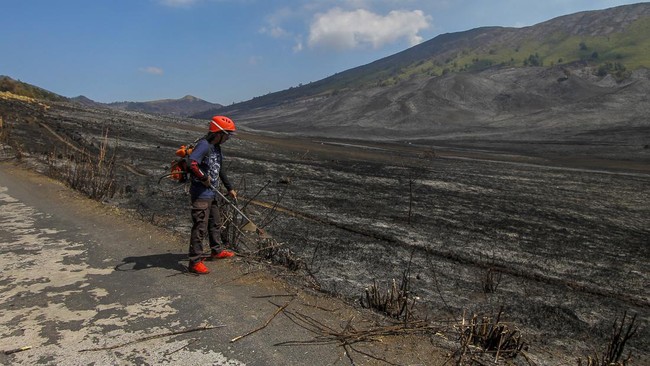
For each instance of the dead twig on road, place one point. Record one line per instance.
(167, 334)
(371, 356)
(16, 350)
(194, 340)
(349, 335)
(263, 326)
(278, 295)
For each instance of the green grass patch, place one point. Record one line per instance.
(629, 49)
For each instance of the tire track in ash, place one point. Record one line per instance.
(459, 257)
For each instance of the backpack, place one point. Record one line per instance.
(179, 167)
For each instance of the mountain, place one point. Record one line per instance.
(183, 107)
(87, 102)
(556, 79)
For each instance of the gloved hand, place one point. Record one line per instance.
(207, 182)
(232, 193)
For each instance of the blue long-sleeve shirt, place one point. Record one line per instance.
(210, 160)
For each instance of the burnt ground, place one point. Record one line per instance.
(569, 236)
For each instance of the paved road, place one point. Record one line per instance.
(76, 276)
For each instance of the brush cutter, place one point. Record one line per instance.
(250, 225)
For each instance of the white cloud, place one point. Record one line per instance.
(340, 29)
(274, 23)
(298, 46)
(275, 31)
(152, 70)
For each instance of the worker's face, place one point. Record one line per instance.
(220, 138)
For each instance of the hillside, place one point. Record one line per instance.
(18, 87)
(581, 72)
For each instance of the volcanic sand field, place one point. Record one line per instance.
(571, 242)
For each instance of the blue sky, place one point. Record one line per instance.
(227, 51)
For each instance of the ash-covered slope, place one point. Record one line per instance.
(495, 103)
(578, 76)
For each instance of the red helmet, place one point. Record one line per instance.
(222, 123)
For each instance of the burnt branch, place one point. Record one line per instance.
(616, 346)
(489, 335)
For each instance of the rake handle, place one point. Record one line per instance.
(230, 203)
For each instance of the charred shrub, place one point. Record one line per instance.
(613, 355)
(491, 280)
(487, 335)
(396, 302)
(93, 175)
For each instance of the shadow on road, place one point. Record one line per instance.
(166, 261)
